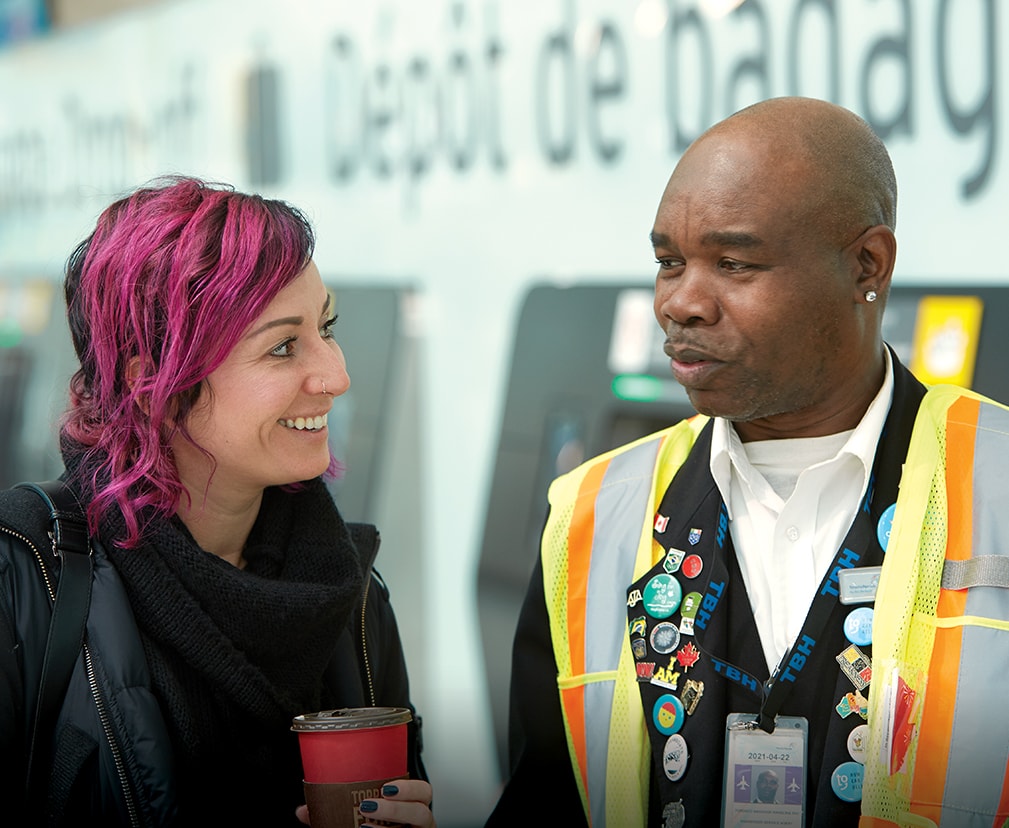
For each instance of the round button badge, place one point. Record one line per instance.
(668, 714)
(884, 525)
(692, 566)
(858, 626)
(847, 781)
(662, 596)
(665, 638)
(691, 604)
(674, 757)
(858, 741)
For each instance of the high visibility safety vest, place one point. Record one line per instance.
(597, 541)
(938, 749)
(938, 719)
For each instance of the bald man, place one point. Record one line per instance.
(766, 787)
(709, 598)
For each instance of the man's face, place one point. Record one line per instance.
(757, 304)
(767, 786)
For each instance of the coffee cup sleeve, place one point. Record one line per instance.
(336, 804)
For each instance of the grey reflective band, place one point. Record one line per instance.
(984, 570)
(976, 767)
(622, 511)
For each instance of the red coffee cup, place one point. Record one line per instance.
(347, 755)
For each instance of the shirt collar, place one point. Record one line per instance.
(728, 456)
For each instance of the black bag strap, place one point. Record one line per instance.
(72, 548)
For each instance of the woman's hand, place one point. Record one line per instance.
(406, 801)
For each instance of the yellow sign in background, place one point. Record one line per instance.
(945, 339)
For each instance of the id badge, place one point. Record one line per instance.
(764, 782)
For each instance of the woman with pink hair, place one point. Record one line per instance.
(228, 594)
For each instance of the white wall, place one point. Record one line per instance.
(504, 142)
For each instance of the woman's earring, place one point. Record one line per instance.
(870, 296)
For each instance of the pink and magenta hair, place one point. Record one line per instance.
(157, 296)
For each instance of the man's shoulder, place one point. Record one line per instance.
(939, 398)
(681, 434)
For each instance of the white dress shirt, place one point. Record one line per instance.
(790, 504)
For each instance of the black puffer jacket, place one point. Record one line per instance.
(113, 760)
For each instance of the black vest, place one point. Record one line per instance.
(730, 670)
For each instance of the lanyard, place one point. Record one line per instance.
(773, 693)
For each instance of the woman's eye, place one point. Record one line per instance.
(284, 348)
(327, 327)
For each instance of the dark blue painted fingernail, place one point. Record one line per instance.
(368, 806)
(390, 790)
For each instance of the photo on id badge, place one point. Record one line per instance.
(765, 773)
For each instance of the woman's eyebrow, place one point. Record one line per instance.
(276, 323)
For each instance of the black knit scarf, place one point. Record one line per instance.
(234, 653)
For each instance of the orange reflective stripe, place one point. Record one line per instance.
(580, 533)
(574, 704)
(936, 722)
(935, 725)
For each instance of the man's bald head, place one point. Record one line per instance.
(775, 243)
(848, 177)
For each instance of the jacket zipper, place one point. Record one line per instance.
(364, 641)
(117, 756)
(103, 715)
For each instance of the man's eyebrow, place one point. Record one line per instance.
(730, 238)
(719, 238)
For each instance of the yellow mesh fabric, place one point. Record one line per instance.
(555, 538)
(906, 601)
(627, 796)
(555, 588)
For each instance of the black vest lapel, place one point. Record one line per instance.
(706, 694)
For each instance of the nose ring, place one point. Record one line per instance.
(324, 391)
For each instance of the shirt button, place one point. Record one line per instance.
(792, 533)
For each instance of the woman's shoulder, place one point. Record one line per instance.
(24, 518)
(25, 548)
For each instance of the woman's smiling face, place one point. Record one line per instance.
(262, 412)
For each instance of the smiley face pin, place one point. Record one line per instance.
(668, 714)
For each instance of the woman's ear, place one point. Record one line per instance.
(134, 371)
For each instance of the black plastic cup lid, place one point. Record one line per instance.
(352, 718)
